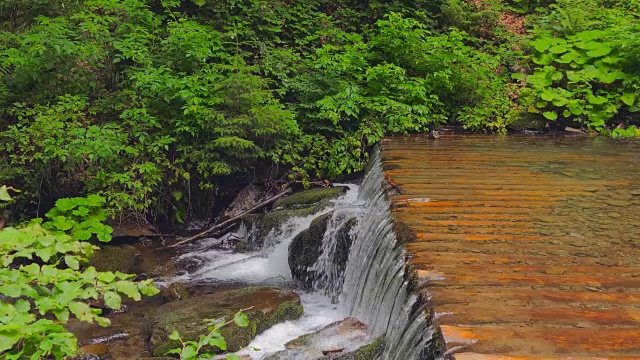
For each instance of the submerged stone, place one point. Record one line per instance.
(268, 306)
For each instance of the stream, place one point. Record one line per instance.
(373, 288)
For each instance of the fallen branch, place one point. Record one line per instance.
(106, 339)
(234, 219)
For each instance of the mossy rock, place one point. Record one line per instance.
(367, 352)
(349, 334)
(526, 121)
(115, 258)
(305, 249)
(311, 197)
(300, 204)
(269, 306)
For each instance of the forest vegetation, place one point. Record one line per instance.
(158, 110)
(161, 106)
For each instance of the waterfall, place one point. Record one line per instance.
(361, 267)
(375, 287)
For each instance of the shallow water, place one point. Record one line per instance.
(529, 245)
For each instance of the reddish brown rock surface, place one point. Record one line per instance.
(530, 246)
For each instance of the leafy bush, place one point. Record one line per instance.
(43, 280)
(580, 78)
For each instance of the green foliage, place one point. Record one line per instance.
(580, 78)
(158, 106)
(192, 350)
(44, 281)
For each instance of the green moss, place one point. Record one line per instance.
(115, 258)
(269, 306)
(371, 351)
(309, 197)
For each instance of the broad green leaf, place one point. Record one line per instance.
(217, 341)
(8, 338)
(106, 276)
(62, 315)
(128, 288)
(66, 204)
(7, 311)
(72, 262)
(4, 193)
(147, 288)
(597, 100)
(548, 95)
(81, 310)
(174, 335)
(241, 319)
(551, 115)
(628, 98)
(601, 51)
(112, 300)
(558, 49)
(542, 44)
(189, 353)
(11, 290)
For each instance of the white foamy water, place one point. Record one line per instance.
(373, 287)
(318, 313)
(270, 264)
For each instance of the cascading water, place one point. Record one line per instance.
(375, 289)
(370, 285)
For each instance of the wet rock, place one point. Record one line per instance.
(115, 258)
(130, 229)
(366, 352)
(305, 249)
(175, 291)
(269, 306)
(340, 340)
(526, 122)
(93, 352)
(311, 197)
(300, 204)
(247, 198)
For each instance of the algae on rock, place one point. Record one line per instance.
(300, 204)
(305, 249)
(268, 306)
(115, 258)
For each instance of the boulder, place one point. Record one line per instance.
(115, 258)
(247, 198)
(306, 247)
(313, 197)
(300, 204)
(344, 339)
(268, 306)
